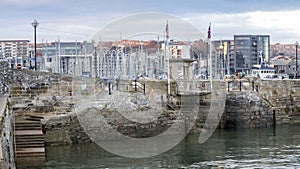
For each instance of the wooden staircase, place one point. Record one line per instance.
(29, 143)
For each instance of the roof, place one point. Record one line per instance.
(182, 60)
(282, 62)
(14, 40)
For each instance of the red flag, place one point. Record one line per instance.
(208, 32)
(167, 30)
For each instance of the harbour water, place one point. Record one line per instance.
(277, 147)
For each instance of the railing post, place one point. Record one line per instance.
(117, 84)
(240, 85)
(228, 86)
(135, 85)
(109, 89)
(256, 88)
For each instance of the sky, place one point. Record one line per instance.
(71, 20)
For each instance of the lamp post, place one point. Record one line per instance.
(296, 45)
(221, 52)
(30, 65)
(35, 24)
(95, 61)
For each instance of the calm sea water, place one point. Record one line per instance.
(252, 148)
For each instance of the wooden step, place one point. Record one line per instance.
(29, 142)
(30, 152)
(28, 128)
(27, 125)
(31, 145)
(23, 162)
(28, 132)
(20, 121)
(35, 118)
(24, 139)
(30, 160)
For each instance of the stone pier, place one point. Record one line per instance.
(56, 99)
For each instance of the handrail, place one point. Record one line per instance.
(142, 86)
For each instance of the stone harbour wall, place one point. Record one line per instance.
(247, 110)
(67, 129)
(63, 130)
(4, 77)
(272, 102)
(6, 147)
(283, 97)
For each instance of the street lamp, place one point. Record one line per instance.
(296, 45)
(35, 24)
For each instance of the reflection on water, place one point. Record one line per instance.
(267, 148)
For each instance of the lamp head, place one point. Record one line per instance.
(35, 23)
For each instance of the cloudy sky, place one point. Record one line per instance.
(72, 20)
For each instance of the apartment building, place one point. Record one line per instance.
(15, 52)
(250, 50)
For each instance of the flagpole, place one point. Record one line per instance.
(210, 57)
(168, 57)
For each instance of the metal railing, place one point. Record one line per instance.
(184, 87)
(129, 86)
(241, 85)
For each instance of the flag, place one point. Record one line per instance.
(167, 30)
(209, 32)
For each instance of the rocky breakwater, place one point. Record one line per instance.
(247, 110)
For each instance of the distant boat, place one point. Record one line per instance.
(266, 72)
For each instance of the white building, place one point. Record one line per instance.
(73, 58)
(15, 51)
